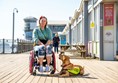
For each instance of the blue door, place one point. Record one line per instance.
(63, 39)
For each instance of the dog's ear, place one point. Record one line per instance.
(61, 53)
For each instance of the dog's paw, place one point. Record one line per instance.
(59, 76)
(51, 75)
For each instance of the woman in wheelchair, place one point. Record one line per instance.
(42, 37)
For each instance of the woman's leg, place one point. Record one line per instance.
(40, 60)
(48, 60)
(41, 54)
(48, 57)
(57, 48)
(54, 48)
(48, 54)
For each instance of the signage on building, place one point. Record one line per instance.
(108, 22)
(92, 25)
(108, 14)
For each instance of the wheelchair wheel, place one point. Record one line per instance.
(54, 63)
(31, 62)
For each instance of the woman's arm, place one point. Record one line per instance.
(49, 37)
(35, 37)
(48, 42)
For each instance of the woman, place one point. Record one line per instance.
(42, 38)
(56, 41)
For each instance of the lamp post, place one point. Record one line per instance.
(15, 9)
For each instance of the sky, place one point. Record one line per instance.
(52, 9)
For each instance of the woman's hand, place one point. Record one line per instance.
(40, 43)
(48, 43)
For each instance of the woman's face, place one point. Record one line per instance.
(43, 22)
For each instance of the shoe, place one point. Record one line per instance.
(40, 68)
(47, 69)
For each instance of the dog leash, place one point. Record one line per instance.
(57, 70)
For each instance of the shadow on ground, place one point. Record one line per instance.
(78, 76)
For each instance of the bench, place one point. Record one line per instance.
(81, 49)
(63, 48)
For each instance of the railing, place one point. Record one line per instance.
(19, 46)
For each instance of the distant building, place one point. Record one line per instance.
(30, 24)
(58, 26)
(55, 26)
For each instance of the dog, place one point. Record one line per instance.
(67, 65)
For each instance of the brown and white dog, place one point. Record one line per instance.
(66, 64)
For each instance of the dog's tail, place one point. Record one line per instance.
(82, 71)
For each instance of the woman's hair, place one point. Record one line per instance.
(56, 34)
(41, 18)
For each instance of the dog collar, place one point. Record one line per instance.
(66, 65)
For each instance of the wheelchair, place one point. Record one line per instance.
(33, 64)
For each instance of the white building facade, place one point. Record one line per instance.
(95, 24)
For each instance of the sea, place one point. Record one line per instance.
(7, 46)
